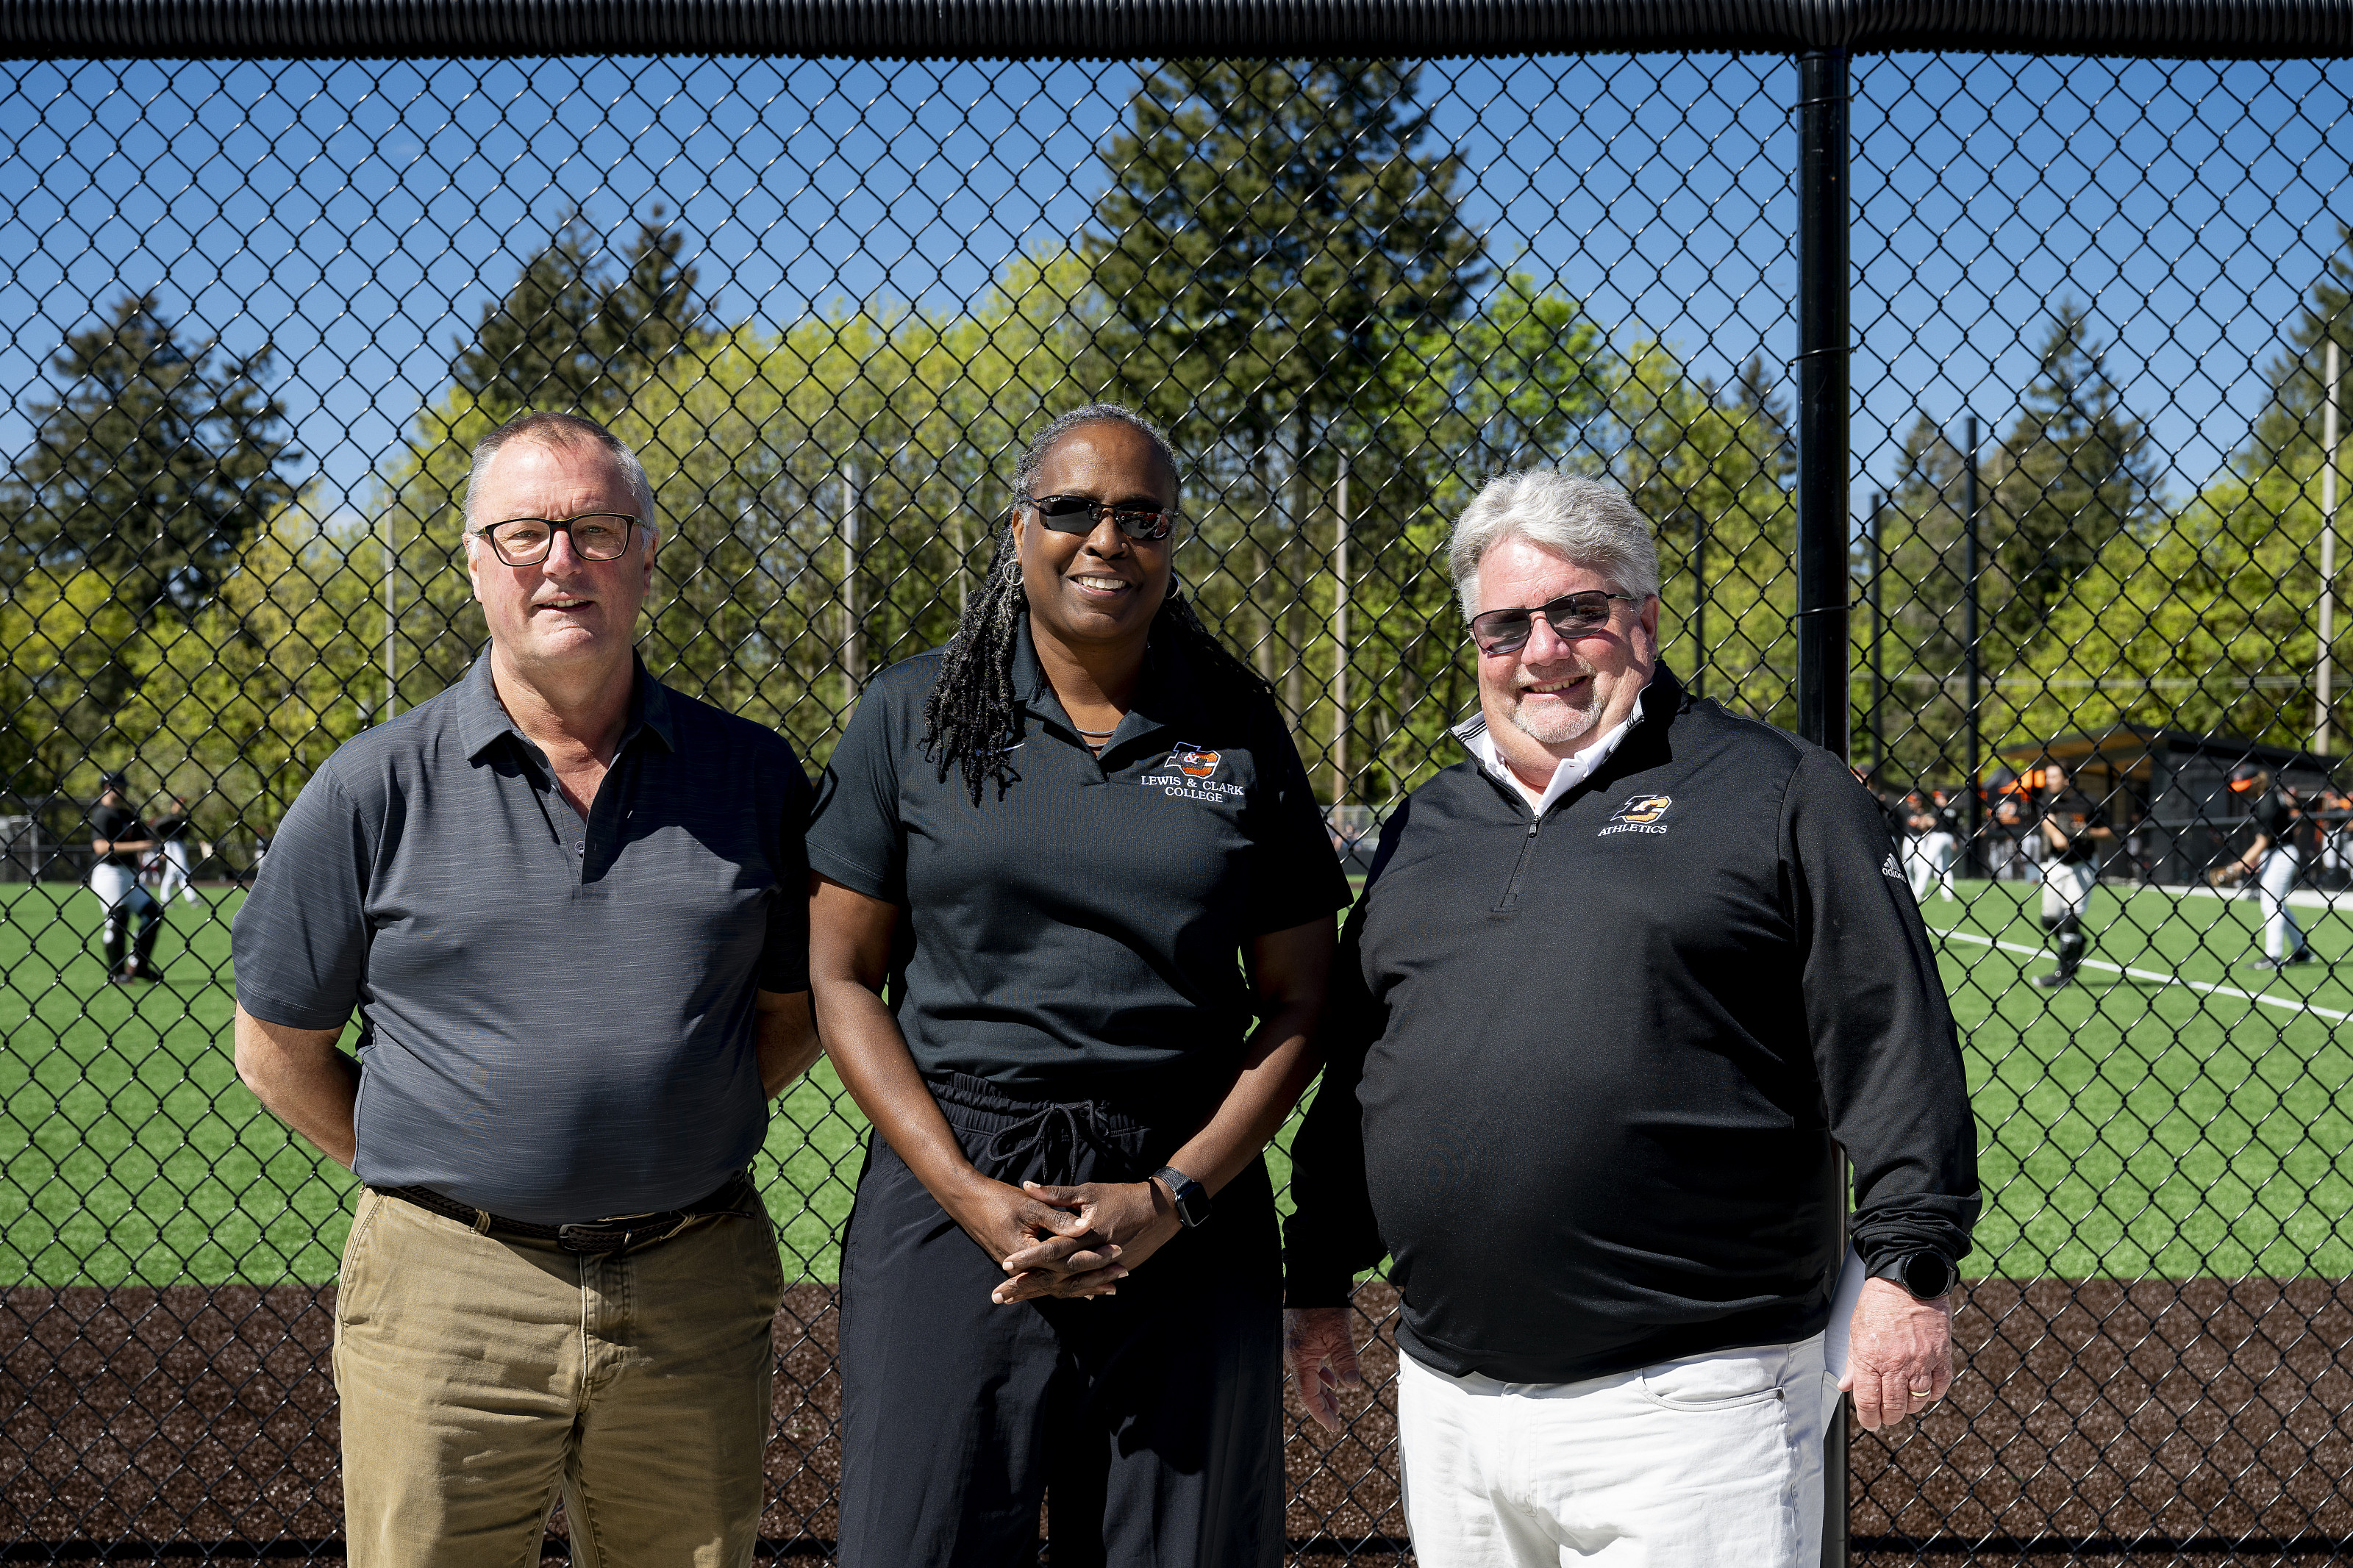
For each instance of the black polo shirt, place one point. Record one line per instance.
(557, 1016)
(1080, 936)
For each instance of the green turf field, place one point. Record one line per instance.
(2132, 1124)
(2154, 1122)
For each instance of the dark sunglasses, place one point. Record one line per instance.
(1571, 615)
(1079, 514)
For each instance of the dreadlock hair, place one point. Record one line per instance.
(972, 717)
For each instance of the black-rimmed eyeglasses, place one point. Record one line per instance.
(1079, 514)
(595, 536)
(1571, 615)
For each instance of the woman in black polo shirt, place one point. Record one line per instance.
(1078, 846)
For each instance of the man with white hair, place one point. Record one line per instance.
(1616, 986)
(570, 908)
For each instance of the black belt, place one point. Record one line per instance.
(620, 1233)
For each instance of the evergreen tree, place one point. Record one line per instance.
(153, 465)
(2076, 473)
(1273, 235)
(2288, 432)
(570, 336)
(1271, 230)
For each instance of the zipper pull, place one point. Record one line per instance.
(1535, 822)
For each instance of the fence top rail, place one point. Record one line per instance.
(1156, 29)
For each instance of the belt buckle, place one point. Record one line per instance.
(574, 1238)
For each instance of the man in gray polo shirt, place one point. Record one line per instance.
(570, 908)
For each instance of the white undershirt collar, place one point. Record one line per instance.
(1566, 773)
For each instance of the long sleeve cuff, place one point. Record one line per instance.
(1939, 1225)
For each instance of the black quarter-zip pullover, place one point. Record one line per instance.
(1586, 1070)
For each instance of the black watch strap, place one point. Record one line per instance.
(1192, 1199)
(1925, 1274)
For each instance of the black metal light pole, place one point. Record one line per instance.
(1878, 674)
(1825, 533)
(1973, 859)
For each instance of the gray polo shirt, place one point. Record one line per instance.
(558, 1018)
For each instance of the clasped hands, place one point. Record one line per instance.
(1072, 1242)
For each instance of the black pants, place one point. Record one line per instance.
(1154, 1417)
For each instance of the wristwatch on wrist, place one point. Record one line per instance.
(1925, 1274)
(1192, 1199)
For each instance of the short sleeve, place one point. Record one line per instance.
(1298, 875)
(855, 835)
(783, 961)
(299, 942)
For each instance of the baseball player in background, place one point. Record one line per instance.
(2274, 859)
(173, 866)
(1932, 847)
(2072, 830)
(118, 840)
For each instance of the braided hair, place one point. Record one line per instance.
(972, 717)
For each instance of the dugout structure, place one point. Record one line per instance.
(1973, 363)
(2168, 793)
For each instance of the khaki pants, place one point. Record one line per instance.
(482, 1376)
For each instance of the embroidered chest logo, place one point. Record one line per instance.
(1641, 814)
(1191, 773)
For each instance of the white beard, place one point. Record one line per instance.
(1561, 723)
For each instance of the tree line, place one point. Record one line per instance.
(1279, 270)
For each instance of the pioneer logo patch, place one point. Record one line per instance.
(1641, 814)
(1194, 762)
(1191, 773)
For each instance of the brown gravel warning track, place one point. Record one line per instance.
(2193, 1422)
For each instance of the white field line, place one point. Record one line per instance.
(2302, 897)
(2293, 1003)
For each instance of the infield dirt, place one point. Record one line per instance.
(2197, 1422)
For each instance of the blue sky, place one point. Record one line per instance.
(360, 214)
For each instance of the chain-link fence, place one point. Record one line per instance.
(255, 310)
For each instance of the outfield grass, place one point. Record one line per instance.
(2128, 1125)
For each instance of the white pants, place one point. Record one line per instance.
(173, 879)
(1711, 1461)
(118, 888)
(2067, 890)
(1931, 856)
(2274, 883)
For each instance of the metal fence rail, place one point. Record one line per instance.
(1984, 389)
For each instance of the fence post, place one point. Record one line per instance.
(1825, 703)
(1975, 862)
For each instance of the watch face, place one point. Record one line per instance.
(1928, 1276)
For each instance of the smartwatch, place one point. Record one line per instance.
(1927, 1275)
(1192, 1199)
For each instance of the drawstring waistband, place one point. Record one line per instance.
(1081, 1123)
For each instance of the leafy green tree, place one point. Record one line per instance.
(153, 464)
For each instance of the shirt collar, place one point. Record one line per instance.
(1566, 773)
(1160, 689)
(482, 718)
